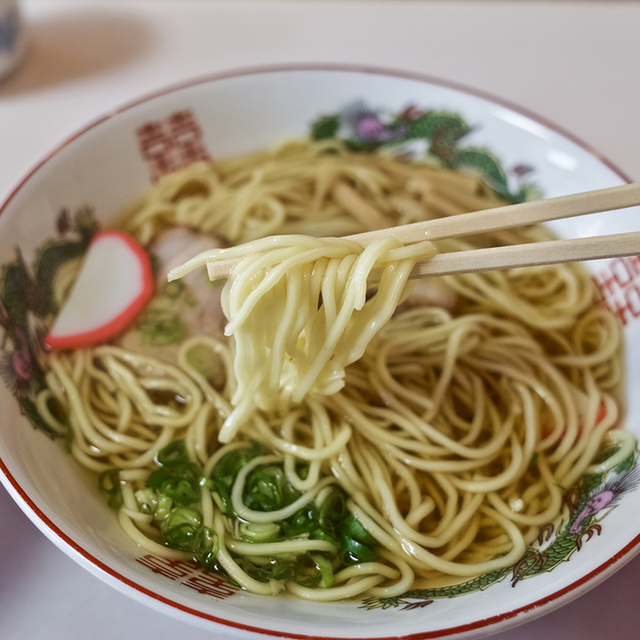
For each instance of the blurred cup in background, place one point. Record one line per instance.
(12, 41)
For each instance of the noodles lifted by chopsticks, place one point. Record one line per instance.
(299, 314)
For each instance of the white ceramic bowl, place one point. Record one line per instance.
(108, 163)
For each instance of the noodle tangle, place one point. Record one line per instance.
(342, 440)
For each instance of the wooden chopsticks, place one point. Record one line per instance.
(501, 218)
(529, 255)
(517, 215)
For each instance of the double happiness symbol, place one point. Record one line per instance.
(171, 144)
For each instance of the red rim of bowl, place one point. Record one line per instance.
(558, 597)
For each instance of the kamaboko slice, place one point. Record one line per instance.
(114, 285)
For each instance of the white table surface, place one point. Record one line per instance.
(573, 63)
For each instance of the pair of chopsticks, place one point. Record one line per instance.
(498, 219)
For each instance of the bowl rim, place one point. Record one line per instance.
(101, 569)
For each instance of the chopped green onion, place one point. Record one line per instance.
(333, 509)
(174, 454)
(325, 568)
(272, 568)
(147, 500)
(172, 495)
(302, 521)
(163, 509)
(224, 474)
(109, 482)
(181, 490)
(314, 570)
(182, 515)
(353, 529)
(259, 532)
(183, 530)
(209, 364)
(267, 489)
(357, 552)
(176, 478)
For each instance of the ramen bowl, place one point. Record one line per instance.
(91, 177)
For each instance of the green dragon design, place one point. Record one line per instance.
(27, 304)
(586, 505)
(438, 134)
